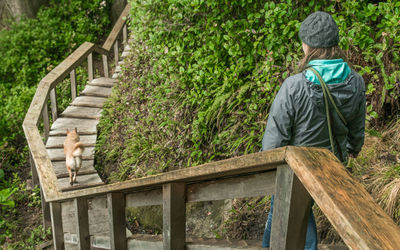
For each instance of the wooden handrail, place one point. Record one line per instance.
(108, 44)
(46, 88)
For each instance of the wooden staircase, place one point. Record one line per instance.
(91, 215)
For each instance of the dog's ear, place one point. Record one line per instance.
(67, 131)
(76, 130)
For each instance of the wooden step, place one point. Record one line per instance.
(89, 101)
(96, 91)
(103, 82)
(82, 112)
(84, 180)
(58, 141)
(60, 168)
(57, 154)
(84, 126)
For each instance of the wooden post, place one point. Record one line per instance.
(46, 122)
(54, 105)
(56, 225)
(90, 67)
(82, 223)
(105, 66)
(72, 77)
(125, 34)
(35, 177)
(116, 52)
(174, 216)
(45, 211)
(116, 213)
(292, 206)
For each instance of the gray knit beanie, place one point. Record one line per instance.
(319, 30)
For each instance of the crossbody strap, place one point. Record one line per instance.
(327, 95)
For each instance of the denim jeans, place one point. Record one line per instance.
(311, 236)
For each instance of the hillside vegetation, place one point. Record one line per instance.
(203, 75)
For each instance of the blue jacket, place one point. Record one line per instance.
(297, 116)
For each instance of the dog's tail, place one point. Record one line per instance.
(78, 149)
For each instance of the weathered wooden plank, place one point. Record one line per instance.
(46, 122)
(90, 67)
(82, 112)
(42, 162)
(89, 101)
(174, 216)
(96, 91)
(292, 206)
(81, 180)
(85, 126)
(105, 66)
(116, 214)
(58, 141)
(80, 186)
(56, 225)
(361, 222)
(103, 82)
(112, 37)
(59, 166)
(144, 198)
(57, 154)
(262, 161)
(80, 173)
(260, 184)
(82, 223)
(72, 77)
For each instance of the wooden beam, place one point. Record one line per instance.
(72, 77)
(292, 206)
(35, 177)
(90, 67)
(355, 215)
(174, 216)
(116, 213)
(82, 223)
(252, 163)
(56, 225)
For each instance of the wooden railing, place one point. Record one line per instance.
(295, 175)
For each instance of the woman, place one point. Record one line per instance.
(298, 116)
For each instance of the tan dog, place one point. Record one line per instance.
(73, 150)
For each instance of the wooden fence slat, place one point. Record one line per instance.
(125, 34)
(90, 67)
(54, 105)
(82, 223)
(116, 58)
(116, 213)
(105, 66)
(46, 122)
(72, 77)
(45, 211)
(174, 216)
(35, 177)
(292, 206)
(56, 225)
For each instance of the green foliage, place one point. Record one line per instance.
(206, 72)
(28, 51)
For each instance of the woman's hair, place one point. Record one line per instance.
(334, 52)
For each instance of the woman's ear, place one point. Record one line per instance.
(306, 48)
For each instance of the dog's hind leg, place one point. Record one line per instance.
(70, 176)
(78, 164)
